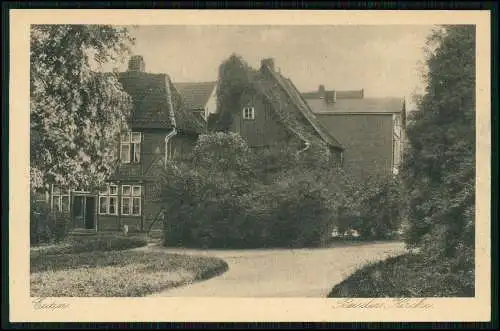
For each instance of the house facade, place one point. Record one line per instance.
(371, 129)
(161, 128)
(272, 111)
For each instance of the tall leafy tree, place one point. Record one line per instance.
(76, 111)
(439, 168)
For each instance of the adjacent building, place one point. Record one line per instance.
(371, 129)
(272, 111)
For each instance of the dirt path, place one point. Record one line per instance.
(281, 272)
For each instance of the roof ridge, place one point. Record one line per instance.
(310, 117)
(169, 101)
(198, 82)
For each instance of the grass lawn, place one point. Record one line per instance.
(408, 275)
(99, 242)
(104, 271)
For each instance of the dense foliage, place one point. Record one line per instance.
(76, 112)
(439, 171)
(46, 226)
(228, 195)
(234, 78)
(406, 276)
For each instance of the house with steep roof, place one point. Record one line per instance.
(199, 97)
(371, 129)
(272, 111)
(161, 128)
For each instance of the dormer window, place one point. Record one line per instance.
(248, 113)
(130, 149)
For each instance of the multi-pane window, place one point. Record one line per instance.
(131, 200)
(60, 200)
(249, 113)
(41, 196)
(130, 147)
(108, 200)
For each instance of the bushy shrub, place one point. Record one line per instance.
(381, 208)
(228, 195)
(406, 276)
(46, 226)
(222, 199)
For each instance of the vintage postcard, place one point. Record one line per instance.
(211, 166)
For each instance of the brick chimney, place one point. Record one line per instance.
(136, 63)
(321, 90)
(269, 62)
(330, 96)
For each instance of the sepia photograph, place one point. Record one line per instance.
(326, 161)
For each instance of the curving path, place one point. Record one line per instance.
(282, 272)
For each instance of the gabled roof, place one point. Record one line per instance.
(366, 105)
(195, 95)
(298, 118)
(157, 104)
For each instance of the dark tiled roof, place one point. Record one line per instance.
(348, 94)
(291, 108)
(366, 105)
(195, 95)
(157, 104)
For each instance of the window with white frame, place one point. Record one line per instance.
(42, 195)
(108, 200)
(131, 200)
(248, 113)
(130, 147)
(60, 200)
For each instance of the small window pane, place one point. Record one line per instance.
(125, 136)
(248, 113)
(126, 190)
(113, 203)
(104, 191)
(136, 153)
(125, 153)
(65, 204)
(136, 191)
(126, 206)
(56, 190)
(103, 205)
(136, 137)
(113, 189)
(136, 207)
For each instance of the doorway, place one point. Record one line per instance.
(84, 212)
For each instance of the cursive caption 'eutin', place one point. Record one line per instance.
(46, 304)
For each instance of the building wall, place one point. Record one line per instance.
(211, 106)
(368, 141)
(265, 129)
(182, 145)
(146, 174)
(179, 145)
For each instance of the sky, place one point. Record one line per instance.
(384, 60)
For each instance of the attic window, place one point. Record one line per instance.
(248, 113)
(130, 151)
